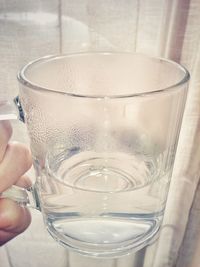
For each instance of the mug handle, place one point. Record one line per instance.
(24, 197)
(11, 111)
(8, 111)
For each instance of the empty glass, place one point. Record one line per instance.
(103, 129)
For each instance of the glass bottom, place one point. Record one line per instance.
(103, 206)
(106, 236)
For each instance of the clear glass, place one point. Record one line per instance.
(103, 129)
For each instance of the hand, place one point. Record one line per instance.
(15, 160)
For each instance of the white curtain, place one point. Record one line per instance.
(167, 28)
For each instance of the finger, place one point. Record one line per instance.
(14, 219)
(24, 181)
(17, 160)
(5, 134)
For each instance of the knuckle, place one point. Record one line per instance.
(9, 213)
(6, 130)
(24, 181)
(14, 218)
(23, 154)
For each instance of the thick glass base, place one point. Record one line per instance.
(106, 236)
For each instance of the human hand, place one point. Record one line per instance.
(15, 160)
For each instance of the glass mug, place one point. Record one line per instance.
(103, 131)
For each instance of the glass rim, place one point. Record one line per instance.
(21, 76)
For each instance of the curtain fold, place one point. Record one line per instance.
(162, 28)
(187, 167)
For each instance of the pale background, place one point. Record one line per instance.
(168, 28)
